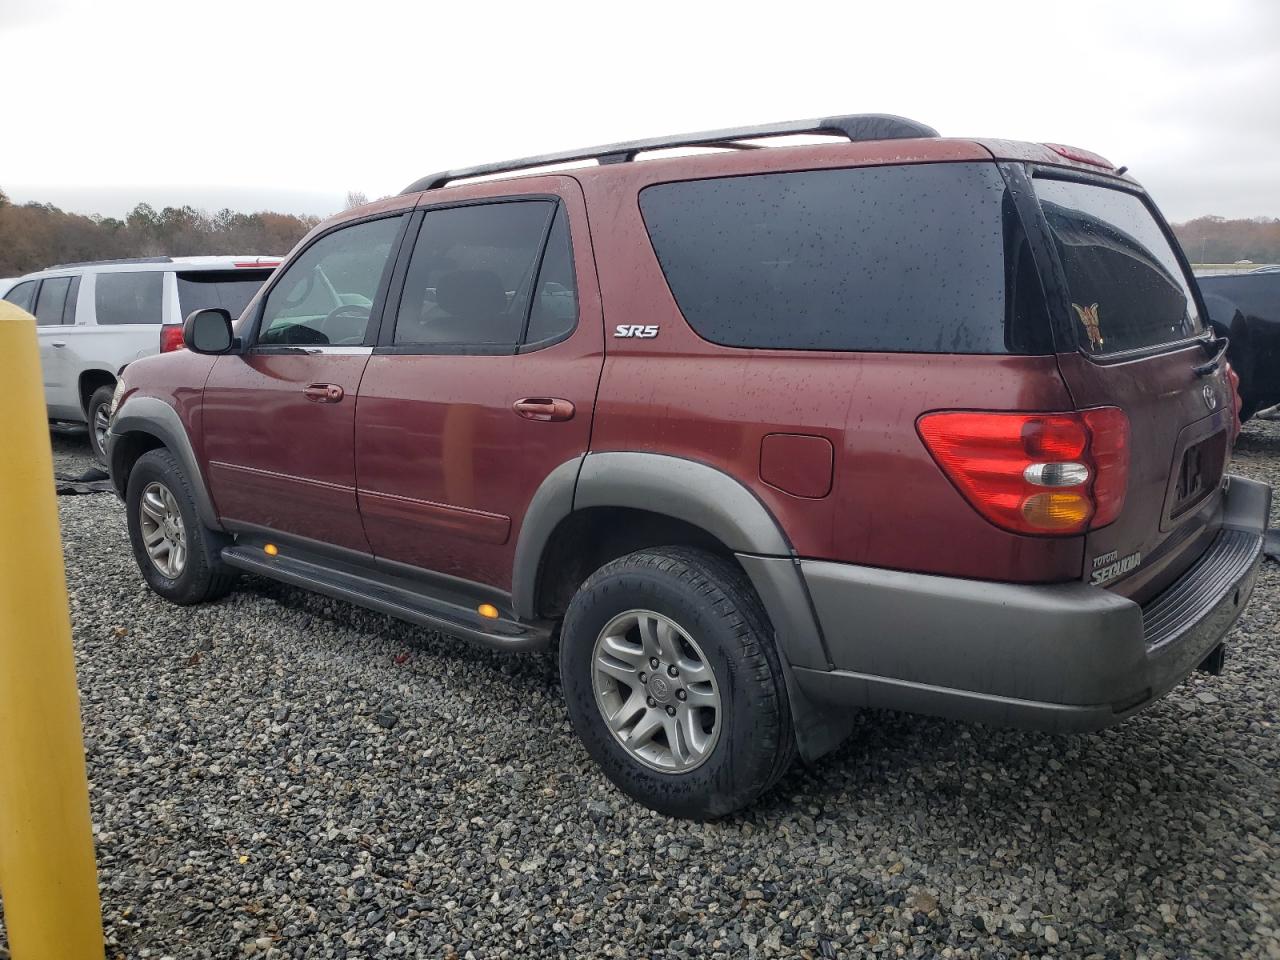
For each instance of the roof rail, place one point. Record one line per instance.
(856, 127)
(103, 263)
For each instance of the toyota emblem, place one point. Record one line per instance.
(1210, 398)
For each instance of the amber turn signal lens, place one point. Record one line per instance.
(270, 549)
(1057, 511)
(488, 611)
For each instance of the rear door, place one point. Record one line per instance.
(1130, 313)
(483, 381)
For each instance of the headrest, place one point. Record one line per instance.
(471, 294)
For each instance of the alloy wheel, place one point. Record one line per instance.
(164, 535)
(656, 691)
(101, 423)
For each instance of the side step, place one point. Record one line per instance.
(451, 615)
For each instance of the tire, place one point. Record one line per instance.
(710, 601)
(202, 574)
(99, 404)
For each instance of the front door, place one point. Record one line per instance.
(279, 416)
(483, 381)
(55, 312)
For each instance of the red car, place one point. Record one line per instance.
(757, 437)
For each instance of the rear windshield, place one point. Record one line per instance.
(1127, 289)
(230, 290)
(924, 258)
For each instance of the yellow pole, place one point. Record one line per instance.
(48, 879)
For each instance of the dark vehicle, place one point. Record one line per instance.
(756, 437)
(1246, 308)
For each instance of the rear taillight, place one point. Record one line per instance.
(171, 337)
(1233, 380)
(1039, 473)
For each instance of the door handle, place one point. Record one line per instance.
(57, 343)
(544, 408)
(324, 392)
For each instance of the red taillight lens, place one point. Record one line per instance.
(1041, 473)
(1109, 451)
(171, 337)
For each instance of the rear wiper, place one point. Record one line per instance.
(1219, 347)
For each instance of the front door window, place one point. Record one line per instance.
(327, 293)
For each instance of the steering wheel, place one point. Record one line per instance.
(347, 311)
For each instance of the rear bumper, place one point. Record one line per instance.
(1061, 657)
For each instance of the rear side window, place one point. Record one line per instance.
(554, 312)
(229, 289)
(128, 297)
(52, 302)
(471, 276)
(73, 294)
(902, 258)
(20, 295)
(1127, 289)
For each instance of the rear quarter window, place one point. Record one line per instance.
(905, 258)
(133, 297)
(1127, 289)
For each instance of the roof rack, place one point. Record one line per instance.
(103, 263)
(856, 127)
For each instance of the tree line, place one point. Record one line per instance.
(1218, 240)
(38, 235)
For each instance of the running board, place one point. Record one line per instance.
(448, 615)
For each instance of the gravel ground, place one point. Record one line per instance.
(283, 775)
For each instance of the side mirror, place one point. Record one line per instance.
(208, 331)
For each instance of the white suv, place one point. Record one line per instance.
(93, 318)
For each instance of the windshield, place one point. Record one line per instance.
(1127, 288)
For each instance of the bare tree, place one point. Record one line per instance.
(355, 198)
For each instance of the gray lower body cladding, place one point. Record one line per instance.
(1061, 657)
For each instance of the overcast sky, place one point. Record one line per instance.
(288, 105)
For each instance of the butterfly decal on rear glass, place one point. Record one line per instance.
(1089, 317)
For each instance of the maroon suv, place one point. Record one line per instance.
(759, 436)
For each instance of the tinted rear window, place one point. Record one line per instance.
(230, 290)
(471, 274)
(52, 301)
(902, 259)
(128, 297)
(1127, 289)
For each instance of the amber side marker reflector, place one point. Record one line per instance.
(488, 611)
(270, 549)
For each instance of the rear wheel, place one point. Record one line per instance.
(99, 413)
(673, 683)
(179, 557)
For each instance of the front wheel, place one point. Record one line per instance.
(179, 557)
(673, 682)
